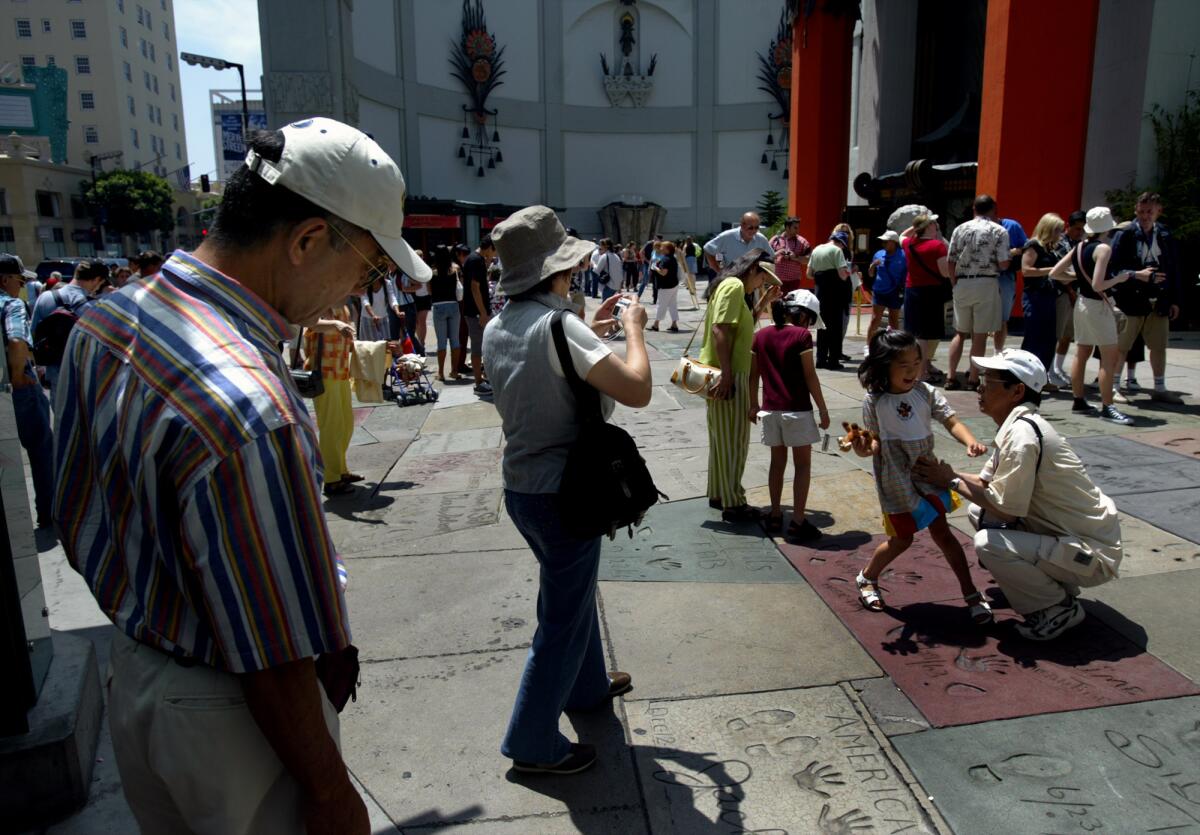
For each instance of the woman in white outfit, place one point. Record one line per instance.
(667, 269)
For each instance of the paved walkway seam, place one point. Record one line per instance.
(486, 651)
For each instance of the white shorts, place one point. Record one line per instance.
(788, 428)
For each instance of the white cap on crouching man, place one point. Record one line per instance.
(345, 172)
(1023, 365)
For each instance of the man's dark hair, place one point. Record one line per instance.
(486, 242)
(1009, 379)
(441, 260)
(252, 211)
(791, 221)
(462, 249)
(147, 256)
(984, 204)
(90, 270)
(1077, 216)
(1149, 197)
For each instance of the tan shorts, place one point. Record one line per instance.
(977, 305)
(1154, 329)
(788, 428)
(1064, 318)
(1095, 323)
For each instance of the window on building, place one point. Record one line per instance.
(146, 76)
(28, 60)
(155, 83)
(46, 27)
(48, 204)
(132, 106)
(83, 65)
(145, 47)
(178, 151)
(175, 122)
(133, 135)
(90, 135)
(59, 235)
(7, 235)
(128, 70)
(149, 23)
(121, 6)
(166, 31)
(124, 38)
(158, 117)
(141, 15)
(152, 58)
(87, 100)
(78, 208)
(50, 62)
(172, 86)
(78, 29)
(24, 28)
(170, 62)
(164, 4)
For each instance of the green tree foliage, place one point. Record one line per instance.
(771, 209)
(131, 202)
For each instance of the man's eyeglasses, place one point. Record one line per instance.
(375, 270)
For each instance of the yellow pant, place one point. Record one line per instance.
(335, 425)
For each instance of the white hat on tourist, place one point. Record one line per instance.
(805, 300)
(1023, 365)
(890, 235)
(1099, 221)
(345, 172)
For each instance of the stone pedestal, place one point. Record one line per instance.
(45, 774)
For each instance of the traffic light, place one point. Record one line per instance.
(204, 185)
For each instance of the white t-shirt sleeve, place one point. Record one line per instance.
(585, 347)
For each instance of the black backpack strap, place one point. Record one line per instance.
(587, 397)
(1037, 430)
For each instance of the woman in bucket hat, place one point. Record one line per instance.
(565, 669)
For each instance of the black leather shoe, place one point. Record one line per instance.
(581, 758)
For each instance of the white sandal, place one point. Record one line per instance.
(868, 593)
(978, 609)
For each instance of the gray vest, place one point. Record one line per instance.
(536, 405)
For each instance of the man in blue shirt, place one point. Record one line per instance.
(1008, 278)
(89, 276)
(889, 271)
(30, 407)
(732, 244)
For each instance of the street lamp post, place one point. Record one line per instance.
(222, 64)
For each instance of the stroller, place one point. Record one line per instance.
(407, 381)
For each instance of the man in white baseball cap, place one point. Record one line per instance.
(177, 415)
(1044, 529)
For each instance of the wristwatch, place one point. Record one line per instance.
(956, 484)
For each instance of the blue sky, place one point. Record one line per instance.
(222, 29)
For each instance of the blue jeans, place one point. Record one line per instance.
(445, 324)
(565, 669)
(32, 412)
(606, 291)
(1008, 294)
(589, 283)
(1041, 337)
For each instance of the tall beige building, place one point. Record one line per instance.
(122, 60)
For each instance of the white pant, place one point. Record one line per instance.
(667, 304)
(1019, 562)
(191, 757)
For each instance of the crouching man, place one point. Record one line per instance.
(1044, 529)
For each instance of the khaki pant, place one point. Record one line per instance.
(1018, 562)
(1154, 328)
(977, 305)
(191, 757)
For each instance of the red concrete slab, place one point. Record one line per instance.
(1182, 441)
(957, 673)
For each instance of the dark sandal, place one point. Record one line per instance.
(338, 488)
(978, 609)
(744, 513)
(351, 478)
(868, 593)
(806, 532)
(773, 523)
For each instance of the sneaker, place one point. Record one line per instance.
(1110, 414)
(1120, 397)
(580, 758)
(483, 388)
(1164, 396)
(1131, 385)
(1049, 623)
(1060, 380)
(1081, 407)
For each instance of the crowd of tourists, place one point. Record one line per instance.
(187, 476)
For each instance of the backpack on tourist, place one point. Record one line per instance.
(50, 338)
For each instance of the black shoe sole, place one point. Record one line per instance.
(574, 764)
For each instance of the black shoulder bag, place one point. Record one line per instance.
(308, 382)
(605, 485)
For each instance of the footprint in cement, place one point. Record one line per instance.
(1025, 765)
(761, 717)
(664, 563)
(789, 747)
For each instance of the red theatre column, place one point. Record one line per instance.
(1037, 86)
(819, 124)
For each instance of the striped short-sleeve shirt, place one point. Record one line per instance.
(187, 470)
